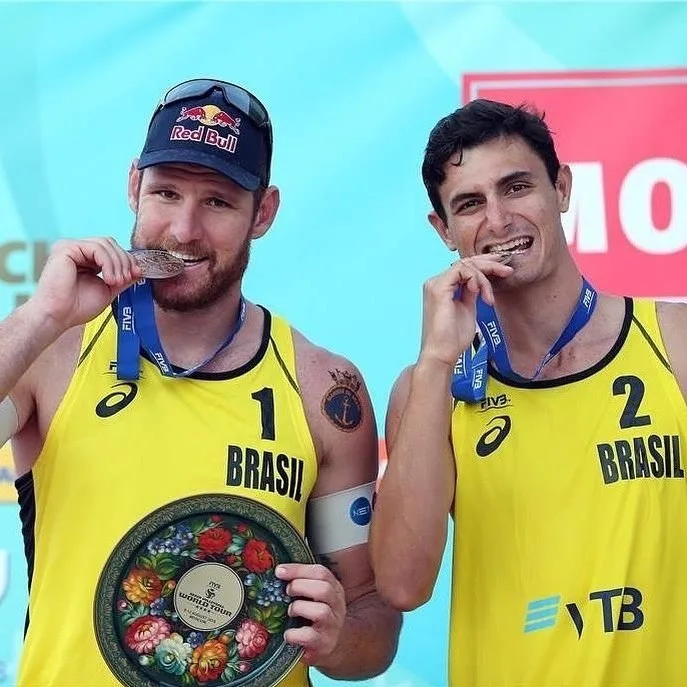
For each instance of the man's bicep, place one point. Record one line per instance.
(342, 418)
(348, 436)
(15, 410)
(340, 508)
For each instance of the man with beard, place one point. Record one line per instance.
(136, 410)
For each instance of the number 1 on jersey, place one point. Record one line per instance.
(265, 397)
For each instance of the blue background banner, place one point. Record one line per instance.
(353, 89)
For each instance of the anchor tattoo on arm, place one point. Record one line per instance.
(341, 404)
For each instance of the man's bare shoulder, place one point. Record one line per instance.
(316, 362)
(318, 368)
(672, 322)
(336, 401)
(672, 311)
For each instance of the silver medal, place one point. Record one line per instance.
(158, 264)
(503, 258)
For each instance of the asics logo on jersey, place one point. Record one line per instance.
(123, 394)
(493, 438)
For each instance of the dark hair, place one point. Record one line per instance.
(478, 122)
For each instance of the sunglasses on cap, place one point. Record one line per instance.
(234, 95)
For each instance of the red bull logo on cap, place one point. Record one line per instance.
(209, 117)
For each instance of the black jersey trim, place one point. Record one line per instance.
(651, 343)
(283, 366)
(578, 376)
(27, 515)
(93, 341)
(231, 374)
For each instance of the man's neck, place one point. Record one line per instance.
(533, 317)
(192, 336)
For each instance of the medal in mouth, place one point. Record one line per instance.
(158, 264)
(506, 250)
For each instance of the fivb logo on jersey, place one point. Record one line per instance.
(625, 142)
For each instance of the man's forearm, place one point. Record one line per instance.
(411, 512)
(368, 640)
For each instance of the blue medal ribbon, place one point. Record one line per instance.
(469, 374)
(136, 329)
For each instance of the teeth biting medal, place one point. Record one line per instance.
(157, 264)
(506, 251)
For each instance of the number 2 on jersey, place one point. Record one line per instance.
(265, 397)
(634, 387)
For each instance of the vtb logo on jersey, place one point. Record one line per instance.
(620, 610)
(629, 195)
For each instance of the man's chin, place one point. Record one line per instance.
(184, 300)
(514, 281)
(185, 293)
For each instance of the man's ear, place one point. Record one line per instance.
(442, 229)
(564, 187)
(266, 212)
(134, 189)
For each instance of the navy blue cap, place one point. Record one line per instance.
(210, 132)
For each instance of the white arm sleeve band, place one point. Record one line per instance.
(340, 520)
(9, 422)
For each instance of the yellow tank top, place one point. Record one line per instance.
(571, 525)
(120, 455)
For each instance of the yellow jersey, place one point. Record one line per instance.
(570, 521)
(135, 568)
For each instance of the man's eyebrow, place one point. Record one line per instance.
(519, 175)
(461, 197)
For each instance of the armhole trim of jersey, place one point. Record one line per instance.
(89, 346)
(27, 515)
(283, 366)
(651, 342)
